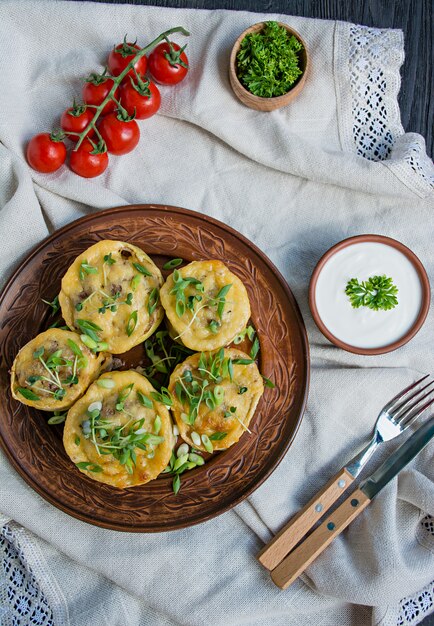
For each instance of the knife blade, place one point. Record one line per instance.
(311, 547)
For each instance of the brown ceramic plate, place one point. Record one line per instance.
(35, 449)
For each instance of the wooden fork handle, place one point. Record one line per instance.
(295, 563)
(283, 542)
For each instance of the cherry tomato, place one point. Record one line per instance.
(75, 119)
(121, 55)
(95, 90)
(168, 63)
(46, 153)
(121, 136)
(86, 164)
(141, 97)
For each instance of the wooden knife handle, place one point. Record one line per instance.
(283, 542)
(296, 562)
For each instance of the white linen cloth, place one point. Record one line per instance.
(294, 182)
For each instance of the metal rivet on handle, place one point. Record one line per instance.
(330, 526)
(318, 507)
(341, 483)
(354, 502)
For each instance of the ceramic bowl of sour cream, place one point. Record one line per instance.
(365, 330)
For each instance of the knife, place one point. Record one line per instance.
(296, 562)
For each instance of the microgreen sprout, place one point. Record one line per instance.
(55, 365)
(120, 441)
(249, 332)
(54, 304)
(86, 269)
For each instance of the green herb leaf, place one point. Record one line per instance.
(268, 62)
(164, 396)
(221, 299)
(147, 402)
(176, 484)
(109, 259)
(268, 382)
(85, 269)
(88, 328)
(242, 361)
(376, 293)
(255, 348)
(217, 436)
(27, 394)
(38, 353)
(75, 348)
(90, 467)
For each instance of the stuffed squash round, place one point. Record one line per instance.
(215, 395)
(206, 305)
(118, 433)
(111, 295)
(54, 369)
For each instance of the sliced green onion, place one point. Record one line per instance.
(157, 425)
(196, 458)
(195, 437)
(132, 323)
(207, 443)
(106, 383)
(140, 268)
(173, 263)
(57, 419)
(154, 297)
(135, 282)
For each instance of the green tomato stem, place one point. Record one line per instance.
(118, 79)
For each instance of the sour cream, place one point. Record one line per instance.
(363, 327)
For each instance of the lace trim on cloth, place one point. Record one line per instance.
(23, 603)
(24, 587)
(21, 599)
(375, 57)
(413, 610)
(375, 132)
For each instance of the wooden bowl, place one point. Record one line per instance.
(256, 102)
(424, 283)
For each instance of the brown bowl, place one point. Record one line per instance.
(426, 293)
(256, 102)
(35, 449)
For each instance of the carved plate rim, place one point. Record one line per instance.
(55, 497)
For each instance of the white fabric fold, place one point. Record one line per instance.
(293, 182)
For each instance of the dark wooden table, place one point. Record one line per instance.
(414, 17)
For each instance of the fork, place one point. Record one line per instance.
(394, 418)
